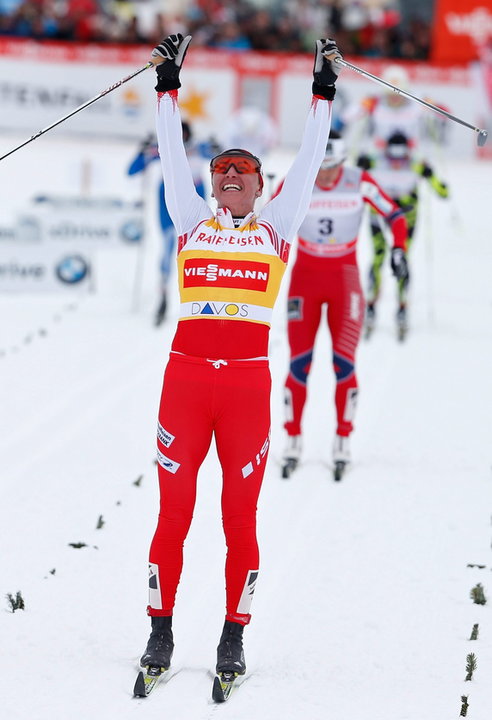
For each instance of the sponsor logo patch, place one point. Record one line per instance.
(165, 437)
(246, 598)
(166, 463)
(240, 240)
(222, 309)
(155, 599)
(242, 274)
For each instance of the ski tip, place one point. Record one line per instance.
(147, 679)
(139, 688)
(224, 684)
(217, 692)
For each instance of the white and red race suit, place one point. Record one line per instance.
(217, 381)
(326, 273)
(380, 118)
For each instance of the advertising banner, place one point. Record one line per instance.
(69, 75)
(43, 267)
(216, 83)
(86, 221)
(460, 29)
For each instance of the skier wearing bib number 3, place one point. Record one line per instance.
(326, 273)
(217, 381)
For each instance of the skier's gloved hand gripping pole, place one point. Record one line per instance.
(327, 66)
(173, 48)
(482, 134)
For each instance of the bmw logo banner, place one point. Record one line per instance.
(54, 243)
(43, 267)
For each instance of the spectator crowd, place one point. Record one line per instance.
(371, 28)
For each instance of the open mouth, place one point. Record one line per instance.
(231, 186)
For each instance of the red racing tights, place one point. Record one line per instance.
(229, 399)
(315, 282)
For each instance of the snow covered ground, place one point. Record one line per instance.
(363, 608)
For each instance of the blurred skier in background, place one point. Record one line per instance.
(400, 175)
(325, 278)
(148, 152)
(382, 126)
(369, 124)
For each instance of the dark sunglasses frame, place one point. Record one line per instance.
(243, 165)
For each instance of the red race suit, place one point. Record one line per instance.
(325, 273)
(217, 381)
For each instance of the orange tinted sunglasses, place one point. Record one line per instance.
(242, 164)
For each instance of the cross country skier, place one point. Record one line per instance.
(217, 380)
(378, 118)
(399, 174)
(325, 273)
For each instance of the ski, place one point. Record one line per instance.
(370, 322)
(401, 324)
(224, 684)
(402, 332)
(147, 680)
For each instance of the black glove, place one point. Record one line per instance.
(399, 264)
(325, 72)
(426, 171)
(364, 162)
(173, 50)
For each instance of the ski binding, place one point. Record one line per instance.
(224, 683)
(147, 679)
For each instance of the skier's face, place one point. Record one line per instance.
(395, 101)
(234, 189)
(327, 176)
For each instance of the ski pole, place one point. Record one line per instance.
(482, 134)
(81, 107)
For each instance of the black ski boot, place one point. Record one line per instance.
(230, 654)
(291, 456)
(160, 646)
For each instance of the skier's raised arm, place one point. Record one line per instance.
(289, 207)
(185, 206)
